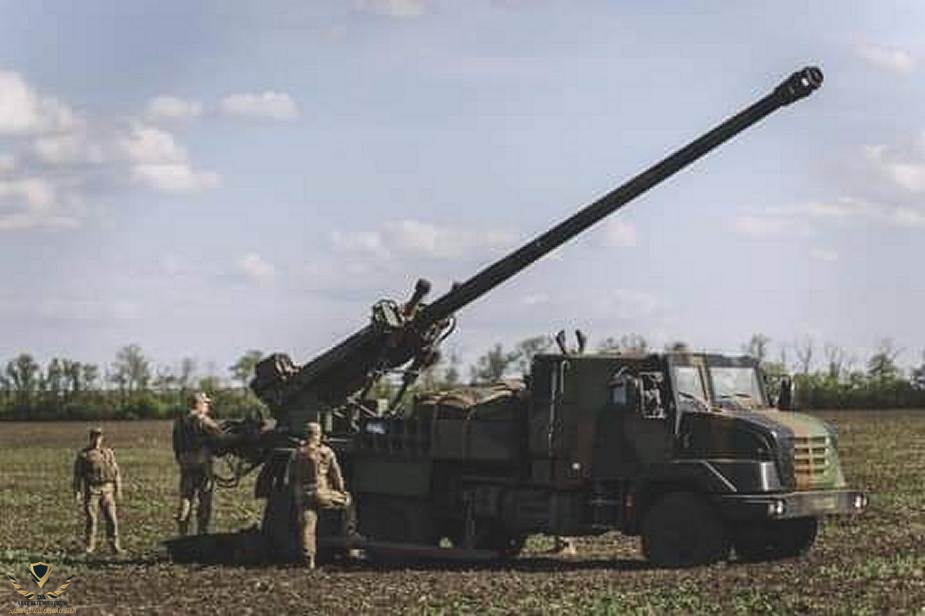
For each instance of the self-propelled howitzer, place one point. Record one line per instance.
(405, 336)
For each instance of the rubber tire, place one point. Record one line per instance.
(396, 519)
(775, 539)
(490, 535)
(498, 539)
(681, 529)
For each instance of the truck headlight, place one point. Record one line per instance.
(860, 502)
(777, 508)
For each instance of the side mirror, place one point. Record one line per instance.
(785, 399)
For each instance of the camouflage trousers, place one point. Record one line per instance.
(310, 505)
(100, 498)
(196, 484)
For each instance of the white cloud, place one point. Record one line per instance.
(77, 309)
(823, 254)
(416, 238)
(901, 164)
(360, 241)
(150, 145)
(172, 108)
(47, 181)
(174, 177)
(425, 239)
(891, 59)
(24, 112)
(392, 8)
(7, 163)
(163, 164)
(68, 149)
(31, 203)
(268, 105)
(762, 226)
(625, 303)
(535, 299)
(256, 269)
(619, 234)
(908, 217)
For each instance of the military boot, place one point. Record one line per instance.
(116, 547)
(308, 561)
(91, 546)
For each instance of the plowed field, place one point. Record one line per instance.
(871, 564)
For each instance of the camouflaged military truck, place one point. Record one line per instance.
(682, 449)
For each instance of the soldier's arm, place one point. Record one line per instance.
(175, 438)
(335, 477)
(78, 476)
(118, 473)
(210, 428)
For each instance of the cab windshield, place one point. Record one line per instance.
(689, 385)
(740, 385)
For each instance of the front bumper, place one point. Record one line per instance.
(786, 505)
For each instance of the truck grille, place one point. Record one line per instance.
(812, 460)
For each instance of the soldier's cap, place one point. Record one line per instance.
(96, 431)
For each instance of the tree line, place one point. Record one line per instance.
(130, 387)
(133, 387)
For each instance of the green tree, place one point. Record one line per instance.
(918, 375)
(834, 360)
(882, 365)
(243, 369)
(185, 378)
(757, 346)
(451, 375)
(131, 372)
(805, 350)
(524, 351)
(493, 365)
(627, 343)
(54, 386)
(23, 374)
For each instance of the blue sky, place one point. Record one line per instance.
(206, 178)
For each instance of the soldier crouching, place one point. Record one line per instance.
(98, 482)
(319, 485)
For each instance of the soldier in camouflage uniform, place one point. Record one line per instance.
(193, 434)
(98, 483)
(319, 485)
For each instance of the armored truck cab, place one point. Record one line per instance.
(683, 449)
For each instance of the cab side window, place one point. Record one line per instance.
(643, 395)
(653, 395)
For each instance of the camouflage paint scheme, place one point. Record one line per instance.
(590, 444)
(566, 455)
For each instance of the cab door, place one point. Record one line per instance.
(636, 429)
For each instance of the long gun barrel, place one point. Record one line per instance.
(410, 333)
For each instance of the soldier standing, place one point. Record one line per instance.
(98, 481)
(319, 485)
(193, 433)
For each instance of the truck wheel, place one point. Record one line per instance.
(498, 539)
(489, 535)
(681, 529)
(778, 539)
(396, 519)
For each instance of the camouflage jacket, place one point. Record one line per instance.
(317, 470)
(193, 434)
(94, 467)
